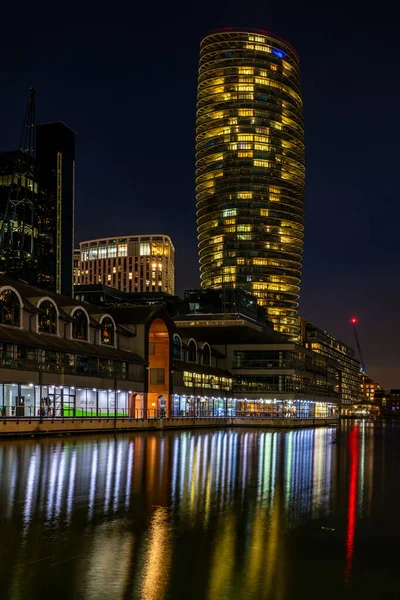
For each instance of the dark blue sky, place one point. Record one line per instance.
(124, 77)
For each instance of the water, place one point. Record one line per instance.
(235, 514)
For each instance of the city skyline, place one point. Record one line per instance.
(349, 261)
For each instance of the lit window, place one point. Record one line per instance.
(145, 249)
(130, 275)
(114, 269)
(244, 194)
(229, 212)
(262, 163)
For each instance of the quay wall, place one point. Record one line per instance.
(37, 427)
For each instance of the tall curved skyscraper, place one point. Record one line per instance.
(250, 174)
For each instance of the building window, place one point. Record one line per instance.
(157, 376)
(206, 355)
(176, 347)
(145, 249)
(80, 326)
(192, 351)
(10, 309)
(47, 318)
(107, 332)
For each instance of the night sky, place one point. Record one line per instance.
(124, 77)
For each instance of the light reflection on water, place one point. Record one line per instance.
(227, 514)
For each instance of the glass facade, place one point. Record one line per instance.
(208, 407)
(28, 400)
(250, 173)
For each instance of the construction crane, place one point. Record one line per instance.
(17, 228)
(353, 321)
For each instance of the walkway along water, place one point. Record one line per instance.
(47, 426)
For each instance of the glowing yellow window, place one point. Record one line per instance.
(245, 154)
(264, 212)
(245, 112)
(262, 163)
(244, 194)
(245, 70)
(240, 261)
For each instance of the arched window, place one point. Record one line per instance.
(10, 308)
(47, 317)
(80, 325)
(206, 355)
(176, 347)
(107, 331)
(192, 351)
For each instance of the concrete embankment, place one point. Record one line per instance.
(35, 427)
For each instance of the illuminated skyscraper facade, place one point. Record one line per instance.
(250, 174)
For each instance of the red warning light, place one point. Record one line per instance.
(353, 320)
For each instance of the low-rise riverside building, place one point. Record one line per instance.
(60, 357)
(271, 377)
(65, 358)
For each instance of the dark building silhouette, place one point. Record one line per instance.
(55, 156)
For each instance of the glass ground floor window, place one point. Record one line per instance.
(28, 400)
(201, 406)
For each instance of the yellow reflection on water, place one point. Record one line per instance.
(221, 582)
(159, 557)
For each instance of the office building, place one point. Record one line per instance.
(250, 173)
(368, 388)
(140, 263)
(55, 155)
(37, 210)
(388, 402)
(19, 199)
(270, 376)
(76, 274)
(324, 343)
(227, 302)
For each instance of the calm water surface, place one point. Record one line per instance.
(235, 514)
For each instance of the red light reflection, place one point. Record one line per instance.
(351, 514)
